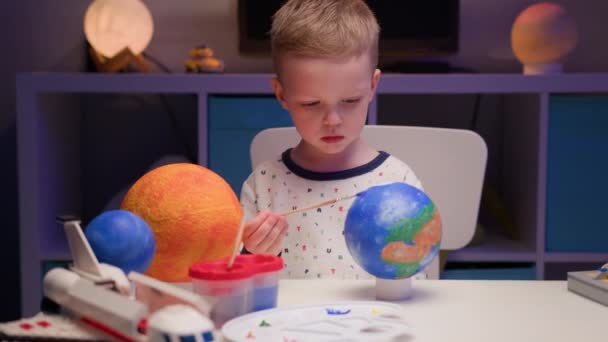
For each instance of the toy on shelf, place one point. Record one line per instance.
(590, 284)
(393, 231)
(202, 60)
(542, 36)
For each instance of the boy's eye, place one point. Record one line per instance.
(355, 100)
(310, 104)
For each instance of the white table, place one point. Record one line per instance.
(474, 310)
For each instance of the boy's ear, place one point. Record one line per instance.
(375, 79)
(278, 91)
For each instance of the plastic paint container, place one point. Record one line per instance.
(232, 288)
(266, 270)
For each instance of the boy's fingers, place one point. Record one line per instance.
(254, 224)
(256, 238)
(273, 234)
(277, 245)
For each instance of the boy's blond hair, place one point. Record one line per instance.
(324, 28)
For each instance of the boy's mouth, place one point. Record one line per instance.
(332, 139)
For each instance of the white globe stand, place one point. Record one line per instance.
(542, 69)
(393, 289)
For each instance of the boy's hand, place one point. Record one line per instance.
(264, 234)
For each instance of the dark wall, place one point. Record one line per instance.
(36, 36)
(9, 253)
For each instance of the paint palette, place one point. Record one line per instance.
(342, 321)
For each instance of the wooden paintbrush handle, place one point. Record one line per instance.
(239, 234)
(237, 242)
(318, 205)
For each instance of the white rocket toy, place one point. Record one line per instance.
(99, 302)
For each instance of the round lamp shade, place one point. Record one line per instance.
(112, 25)
(542, 36)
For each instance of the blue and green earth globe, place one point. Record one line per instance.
(393, 231)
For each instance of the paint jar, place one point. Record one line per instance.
(265, 280)
(231, 289)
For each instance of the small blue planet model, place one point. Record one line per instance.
(393, 231)
(122, 239)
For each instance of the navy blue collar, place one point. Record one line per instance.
(333, 175)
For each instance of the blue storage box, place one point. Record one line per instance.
(233, 121)
(577, 167)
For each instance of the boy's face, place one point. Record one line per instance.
(328, 99)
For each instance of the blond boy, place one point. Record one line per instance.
(325, 53)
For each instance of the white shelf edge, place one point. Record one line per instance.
(575, 257)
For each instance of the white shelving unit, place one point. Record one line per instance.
(49, 151)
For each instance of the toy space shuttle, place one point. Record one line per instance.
(99, 301)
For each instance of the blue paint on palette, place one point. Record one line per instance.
(336, 311)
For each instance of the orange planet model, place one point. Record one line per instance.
(193, 213)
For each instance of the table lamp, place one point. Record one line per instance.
(118, 31)
(542, 36)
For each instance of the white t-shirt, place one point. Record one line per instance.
(314, 246)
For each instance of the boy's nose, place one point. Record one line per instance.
(332, 117)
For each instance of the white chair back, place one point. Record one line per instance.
(450, 163)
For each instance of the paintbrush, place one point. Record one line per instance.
(237, 242)
(239, 234)
(322, 204)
